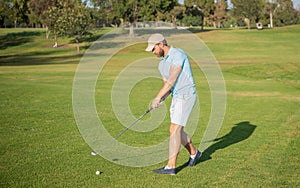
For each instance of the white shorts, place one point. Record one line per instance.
(181, 108)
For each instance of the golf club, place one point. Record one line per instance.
(134, 122)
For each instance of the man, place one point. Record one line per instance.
(178, 79)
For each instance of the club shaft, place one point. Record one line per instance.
(120, 134)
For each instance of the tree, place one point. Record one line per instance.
(20, 11)
(111, 12)
(193, 16)
(40, 8)
(298, 14)
(73, 19)
(147, 11)
(5, 12)
(176, 13)
(285, 13)
(270, 8)
(220, 12)
(205, 9)
(250, 10)
(162, 7)
(130, 14)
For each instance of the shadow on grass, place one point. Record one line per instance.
(23, 60)
(47, 54)
(240, 132)
(16, 39)
(198, 30)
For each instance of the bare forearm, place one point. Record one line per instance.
(165, 91)
(168, 83)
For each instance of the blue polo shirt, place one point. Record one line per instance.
(185, 82)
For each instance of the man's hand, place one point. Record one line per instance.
(156, 103)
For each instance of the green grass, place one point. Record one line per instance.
(259, 140)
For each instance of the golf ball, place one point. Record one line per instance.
(97, 172)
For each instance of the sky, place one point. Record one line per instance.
(295, 2)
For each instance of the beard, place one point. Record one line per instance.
(161, 53)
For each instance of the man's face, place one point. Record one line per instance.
(158, 50)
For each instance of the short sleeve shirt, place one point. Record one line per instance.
(185, 81)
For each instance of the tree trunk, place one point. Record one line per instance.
(271, 19)
(78, 46)
(219, 22)
(131, 31)
(175, 22)
(214, 24)
(55, 39)
(156, 21)
(55, 36)
(202, 22)
(122, 23)
(77, 39)
(247, 21)
(47, 32)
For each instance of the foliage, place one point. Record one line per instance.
(20, 11)
(147, 11)
(177, 13)
(193, 16)
(220, 14)
(285, 13)
(40, 8)
(6, 13)
(250, 10)
(72, 19)
(116, 13)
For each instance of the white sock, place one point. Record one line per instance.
(193, 156)
(167, 167)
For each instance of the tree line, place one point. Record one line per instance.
(116, 13)
(77, 17)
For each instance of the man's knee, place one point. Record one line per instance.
(175, 128)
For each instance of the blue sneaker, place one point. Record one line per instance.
(165, 171)
(191, 161)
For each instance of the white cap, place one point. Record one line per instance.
(155, 39)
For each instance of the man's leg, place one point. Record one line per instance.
(187, 143)
(194, 153)
(174, 144)
(178, 137)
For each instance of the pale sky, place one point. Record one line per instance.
(296, 2)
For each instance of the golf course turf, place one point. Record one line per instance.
(257, 146)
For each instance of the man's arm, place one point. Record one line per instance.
(168, 84)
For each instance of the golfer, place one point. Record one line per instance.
(178, 80)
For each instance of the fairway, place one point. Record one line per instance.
(257, 146)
